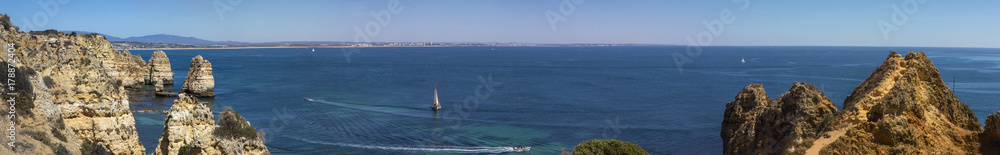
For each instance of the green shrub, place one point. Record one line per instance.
(91, 148)
(184, 150)
(232, 125)
(599, 147)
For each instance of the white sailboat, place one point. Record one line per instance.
(314, 49)
(437, 105)
(743, 60)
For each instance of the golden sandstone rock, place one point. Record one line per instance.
(199, 81)
(192, 124)
(902, 108)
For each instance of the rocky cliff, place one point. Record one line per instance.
(77, 92)
(755, 124)
(159, 67)
(191, 129)
(903, 107)
(70, 97)
(199, 81)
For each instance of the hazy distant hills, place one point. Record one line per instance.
(161, 38)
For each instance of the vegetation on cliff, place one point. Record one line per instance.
(606, 147)
(232, 125)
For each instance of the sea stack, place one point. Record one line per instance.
(160, 70)
(191, 129)
(755, 124)
(186, 122)
(903, 107)
(199, 81)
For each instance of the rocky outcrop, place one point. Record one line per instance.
(186, 122)
(755, 124)
(902, 108)
(199, 81)
(71, 98)
(159, 67)
(190, 128)
(77, 92)
(990, 138)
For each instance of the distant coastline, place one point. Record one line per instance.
(167, 46)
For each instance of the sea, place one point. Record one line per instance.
(376, 100)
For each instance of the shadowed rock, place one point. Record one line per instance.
(160, 70)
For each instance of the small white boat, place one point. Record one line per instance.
(743, 60)
(437, 105)
(314, 49)
(521, 148)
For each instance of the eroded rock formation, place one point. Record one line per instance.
(191, 128)
(76, 93)
(187, 121)
(903, 107)
(159, 67)
(199, 81)
(755, 124)
(71, 95)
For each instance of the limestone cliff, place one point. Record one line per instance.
(199, 81)
(903, 107)
(159, 67)
(191, 129)
(77, 85)
(755, 124)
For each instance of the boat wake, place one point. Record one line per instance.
(422, 113)
(429, 149)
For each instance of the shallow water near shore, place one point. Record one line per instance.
(549, 98)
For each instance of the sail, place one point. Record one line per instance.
(436, 103)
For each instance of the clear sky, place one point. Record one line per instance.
(972, 23)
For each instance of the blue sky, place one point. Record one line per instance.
(824, 23)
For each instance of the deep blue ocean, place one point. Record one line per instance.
(549, 98)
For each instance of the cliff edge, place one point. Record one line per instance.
(903, 107)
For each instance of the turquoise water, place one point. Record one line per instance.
(545, 97)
